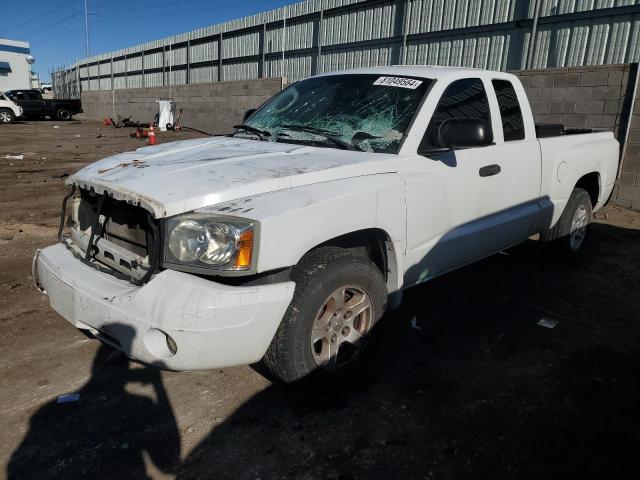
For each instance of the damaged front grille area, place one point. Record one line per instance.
(112, 233)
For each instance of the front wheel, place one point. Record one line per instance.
(340, 295)
(7, 116)
(570, 231)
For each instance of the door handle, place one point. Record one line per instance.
(490, 170)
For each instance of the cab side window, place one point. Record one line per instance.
(20, 96)
(33, 96)
(463, 99)
(512, 123)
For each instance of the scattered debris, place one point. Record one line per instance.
(601, 215)
(56, 126)
(414, 323)
(72, 397)
(14, 157)
(547, 322)
(62, 175)
(139, 133)
(77, 135)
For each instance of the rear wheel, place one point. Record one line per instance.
(7, 116)
(63, 114)
(570, 231)
(339, 297)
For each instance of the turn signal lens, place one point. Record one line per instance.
(245, 247)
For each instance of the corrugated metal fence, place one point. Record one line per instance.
(316, 36)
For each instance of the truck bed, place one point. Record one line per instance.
(546, 130)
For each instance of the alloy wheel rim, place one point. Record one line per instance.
(4, 117)
(578, 227)
(341, 327)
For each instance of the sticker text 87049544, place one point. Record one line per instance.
(401, 82)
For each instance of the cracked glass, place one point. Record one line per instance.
(360, 112)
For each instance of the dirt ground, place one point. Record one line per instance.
(461, 382)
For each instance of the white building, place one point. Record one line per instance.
(15, 65)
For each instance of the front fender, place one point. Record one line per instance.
(295, 220)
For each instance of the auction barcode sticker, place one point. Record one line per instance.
(401, 82)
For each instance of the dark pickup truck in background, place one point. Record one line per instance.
(34, 106)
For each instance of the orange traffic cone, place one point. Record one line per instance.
(152, 136)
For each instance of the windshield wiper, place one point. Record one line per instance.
(260, 133)
(324, 133)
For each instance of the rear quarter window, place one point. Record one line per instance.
(512, 123)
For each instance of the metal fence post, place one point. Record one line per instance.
(532, 38)
(164, 80)
(319, 39)
(78, 87)
(220, 75)
(405, 31)
(188, 72)
(262, 46)
(399, 31)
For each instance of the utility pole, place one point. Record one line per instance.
(86, 26)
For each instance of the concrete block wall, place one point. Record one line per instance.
(597, 97)
(213, 107)
(627, 193)
(580, 97)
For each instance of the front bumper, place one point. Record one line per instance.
(212, 325)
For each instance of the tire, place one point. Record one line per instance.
(7, 116)
(570, 231)
(63, 114)
(321, 277)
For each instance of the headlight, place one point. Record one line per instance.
(200, 241)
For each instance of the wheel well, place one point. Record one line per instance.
(371, 242)
(591, 183)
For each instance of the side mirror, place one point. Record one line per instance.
(248, 114)
(464, 133)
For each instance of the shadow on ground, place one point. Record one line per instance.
(473, 388)
(479, 391)
(107, 433)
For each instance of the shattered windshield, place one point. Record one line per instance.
(355, 112)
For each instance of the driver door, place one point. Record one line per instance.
(451, 220)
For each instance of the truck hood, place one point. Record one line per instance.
(178, 177)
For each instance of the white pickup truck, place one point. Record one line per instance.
(9, 110)
(287, 240)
